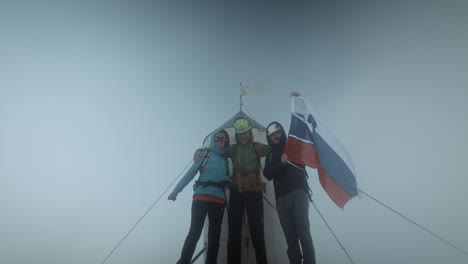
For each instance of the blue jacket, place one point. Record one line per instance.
(215, 170)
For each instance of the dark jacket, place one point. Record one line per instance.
(286, 177)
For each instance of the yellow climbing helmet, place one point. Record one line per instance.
(242, 125)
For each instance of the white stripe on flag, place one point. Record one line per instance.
(300, 105)
(301, 139)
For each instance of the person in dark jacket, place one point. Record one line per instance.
(292, 193)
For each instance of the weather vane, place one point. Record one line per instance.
(246, 89)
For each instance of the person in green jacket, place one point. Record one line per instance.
(246, 192)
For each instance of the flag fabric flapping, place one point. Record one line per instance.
(246, 89)
(310, 143)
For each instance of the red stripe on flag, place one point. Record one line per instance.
(336, 193)
(302, 153)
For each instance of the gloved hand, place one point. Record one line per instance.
(284, 158)
(172, 198)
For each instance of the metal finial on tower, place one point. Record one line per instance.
(240, 97)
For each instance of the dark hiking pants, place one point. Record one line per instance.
(200, 209)
(253, 202)
(293, 212)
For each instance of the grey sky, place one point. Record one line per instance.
(102, 105)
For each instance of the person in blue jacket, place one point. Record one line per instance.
(208, 199)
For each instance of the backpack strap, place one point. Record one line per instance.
(257, 152)
(205, 160)
(257, 149)
(236, 167)
(202, 168)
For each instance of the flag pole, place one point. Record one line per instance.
(240, 97)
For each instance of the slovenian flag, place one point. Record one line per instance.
(310, 143)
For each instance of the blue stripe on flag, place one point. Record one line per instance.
(334, 165)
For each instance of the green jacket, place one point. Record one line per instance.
(247, 161)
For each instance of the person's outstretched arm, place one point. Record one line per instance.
(189, 175)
